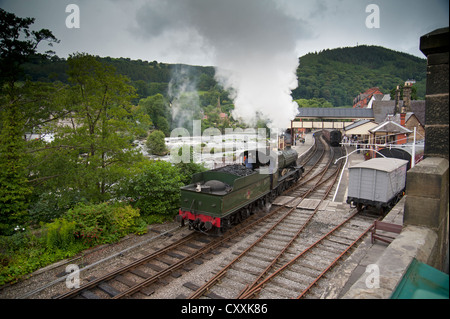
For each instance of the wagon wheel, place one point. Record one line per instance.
(359, 207)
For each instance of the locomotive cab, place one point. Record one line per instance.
(255, 159)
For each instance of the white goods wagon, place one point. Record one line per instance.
(378, 182)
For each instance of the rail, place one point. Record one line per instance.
(249, 288)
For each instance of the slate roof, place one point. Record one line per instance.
(418, 108)
(356, 124)
(397, 118)
(390, 127)
(378, 112)
(343, 113)
(381, 109)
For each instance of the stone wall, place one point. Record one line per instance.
(435, 45)
(426, 205)
(427, 184)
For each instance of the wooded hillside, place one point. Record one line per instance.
(336, 75)
(339, 75)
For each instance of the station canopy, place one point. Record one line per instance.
(335, 113)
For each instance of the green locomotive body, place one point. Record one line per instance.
(220, 198)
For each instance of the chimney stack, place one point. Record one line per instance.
(402, 119)
(397, 100)
(407, 89)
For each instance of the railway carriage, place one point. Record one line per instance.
(217, 199)
(333, 137)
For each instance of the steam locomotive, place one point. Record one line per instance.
(220, 198)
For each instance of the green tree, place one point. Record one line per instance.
(93, 150)
(163, 125)
(313, 103)
(156, 107)
(14, 186)
(17, 45)
(156, 144)
(101, 105)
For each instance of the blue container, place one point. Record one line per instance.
(422, 281)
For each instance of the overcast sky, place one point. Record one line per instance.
(185, 30)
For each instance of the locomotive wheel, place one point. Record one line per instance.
(261, 203)
(245, 213)
(236, 219)
(273, 195)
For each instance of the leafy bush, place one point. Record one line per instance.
(156, 144)
(154, 188)
(60, 234)
(24, 252)
(105, 222)
(48, 205)
(82, 227)
(90, 221)
(189, 169)
(127, 219)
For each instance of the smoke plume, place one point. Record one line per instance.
(184, 99)
(252, 42)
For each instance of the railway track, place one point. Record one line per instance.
(148, 274)
(264, 268)
(272, 267)
(299, 273)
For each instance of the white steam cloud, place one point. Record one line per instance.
(253, 44)
(185, 102)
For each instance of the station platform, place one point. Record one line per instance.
(303, 148)
(353, 158)
(374, 269)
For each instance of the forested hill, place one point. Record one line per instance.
(336, 75)
(149, 78)
(339, 75)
